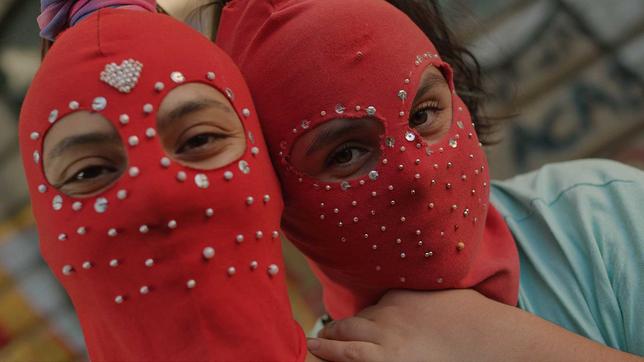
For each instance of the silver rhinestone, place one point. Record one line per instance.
(148, 108)
(230, 94)
(112, 232)
(181, 176)
(81, 230)
(322, 217)
(53, 115)
(336, 211)
(34, 135)
(239, 238)
(402, 94)
(119, 299)
(358, 108)
(243, 167)
(158, 86)
(323, 113)
(275, 234)
(250, 200)
(165, 162)
(403, 148)
(390, 142)
(251, 137)
(253, 265)
(149, 263)
(228, 175)
(99, 104)
(418, 232)
(327, 187)
(373, 175)
(172, 224)
(374, 247)
(191, 283)
(273, 270)
(121, 194)
(62, 237)
(459, 124)
(403, 279)
(305, 124)
(355, 220)
(374, 194)
(401, 114)
(354, 203)
(390, 187)
(439, 280)
(73, 105)
(466, 212)
(448, 186)
(385, 161)
(453, 143)
(36, 156)
(211, 75)
(68, 269)
(232, 271)
(428, 254)
(114, 263)
(254, 151)
(177, 77)
(267, 198)
(124, 119)
(410, 136)
(134, 171)
(87, 265)
(259, 235)
(100, 205)
(401, 167)
(150, 132)
(76, 206)
(208, 252)
(345, 185)
(340, 224)
(246, 112)
(133, 140)
(420, 243)
(371, 110)
(42, 188)
(403, 255)
(144, 290)
(201, 180)
(407, 80)
(339, 108)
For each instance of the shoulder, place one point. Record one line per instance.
(578, 229)
(550, 183)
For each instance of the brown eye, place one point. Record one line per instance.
(345, 155)
(425, 115)
(199, 141)
(92, 172)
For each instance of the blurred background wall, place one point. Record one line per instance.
(570, 72)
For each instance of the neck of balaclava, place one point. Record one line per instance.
(493, 272)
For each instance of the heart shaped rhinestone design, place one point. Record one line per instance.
(122, 77)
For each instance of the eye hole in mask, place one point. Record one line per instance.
(345, 149)
(83, 154)
(431, 113)
(199, 128)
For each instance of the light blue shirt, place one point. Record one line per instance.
(579, 228)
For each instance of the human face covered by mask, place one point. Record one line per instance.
(154, 197)
(384, 179)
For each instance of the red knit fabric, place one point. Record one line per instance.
(421, 219)
(194, 308)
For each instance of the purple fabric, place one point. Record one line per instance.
(58, 15)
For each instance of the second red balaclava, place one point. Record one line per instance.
(170, 263)
(421, 219)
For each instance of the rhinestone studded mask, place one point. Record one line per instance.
(421, 218)
(169, 263)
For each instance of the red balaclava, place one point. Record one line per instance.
(421, 219)
(170, 263)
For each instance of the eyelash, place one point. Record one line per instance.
(330, 160)
(211, 137)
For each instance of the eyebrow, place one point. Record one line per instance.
(332, 134)
(83, 139)
(189, 107)
(428, 84)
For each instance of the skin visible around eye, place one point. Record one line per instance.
(83, 154)
(341, 149)
(431, 114)
(199, 128)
